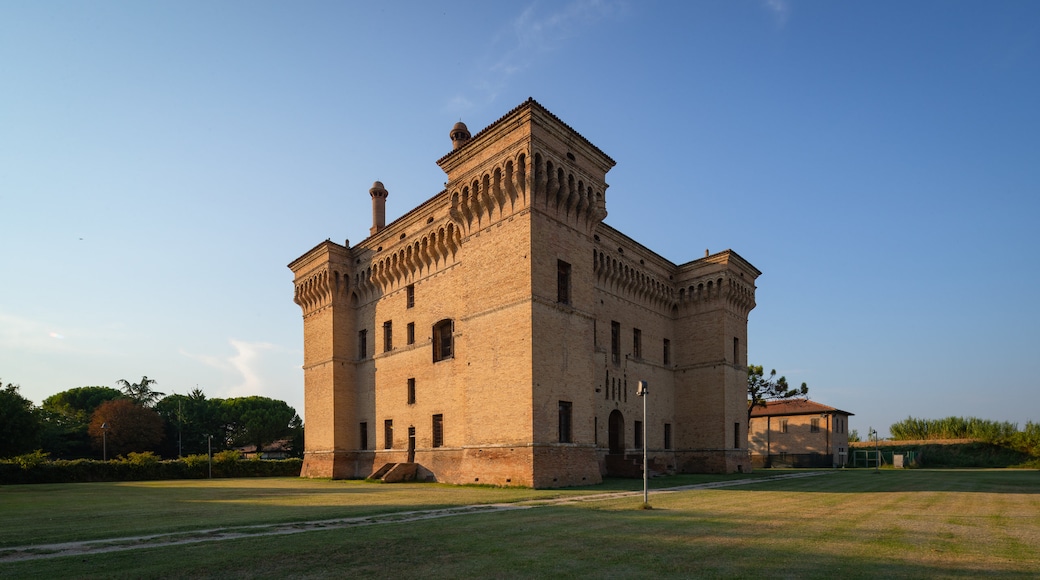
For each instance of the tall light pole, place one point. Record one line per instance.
(877, 451)
(642, 391)
(104, 441)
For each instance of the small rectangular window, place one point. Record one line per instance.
(438, 430)
(814, 425)
(736, 351)
(364, 435)
(783, 425)
(411, 333)
(667, 352)
(736, 435)
(362, 341)
(615, 342)
(563, 282)
(638, 426)
(411, 391)
(565, 422)
(443, 344)
(667, 435)
(410, 296)
(637, 343)
(388, 336)
(388, 434)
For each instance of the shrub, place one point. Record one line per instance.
(31, 460)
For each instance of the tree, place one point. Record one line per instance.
(66, 416)
(141, 392)
(19, 422)
(257, 420)
(128, 427)
(761, 389)
(191, 418)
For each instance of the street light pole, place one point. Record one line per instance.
(642, 391)
(104, 441)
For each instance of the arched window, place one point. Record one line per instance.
(443, 341)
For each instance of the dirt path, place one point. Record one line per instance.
(40, 551)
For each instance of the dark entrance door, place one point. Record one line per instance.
(616, 432)
(411, 444)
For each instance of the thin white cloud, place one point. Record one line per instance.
(255, 368)
(780, 9)
(541, 28)
(28, 335)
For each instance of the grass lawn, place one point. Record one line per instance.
(859, 524)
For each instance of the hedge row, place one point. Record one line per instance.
(139, 467)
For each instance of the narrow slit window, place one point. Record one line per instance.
(443, 341)
(563, 282)
(565, 421)
(438, 430)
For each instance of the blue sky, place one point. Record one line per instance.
(161, 163)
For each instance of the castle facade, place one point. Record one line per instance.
(496, 333)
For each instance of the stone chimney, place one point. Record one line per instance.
(459, 135)
(379, 195)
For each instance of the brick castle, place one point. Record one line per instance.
(496, 333)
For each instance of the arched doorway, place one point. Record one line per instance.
(616, 432)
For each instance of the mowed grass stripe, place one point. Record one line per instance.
(910, 524)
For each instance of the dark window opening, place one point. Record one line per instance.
(667, 435)
(736, 435)
(410, 296)
(736, 351)
(411, 333)
(388, 336)
(563, 282)
(411, 391)
(364, 435)
(637, 343)
(667, 352)
(565, 422)
(638, 426)
(814, 426)
(615, 342)
(362, 340)
(438, 430)
(443, 341)
(783, 425)
(388, 434)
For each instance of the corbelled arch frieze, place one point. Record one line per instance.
(432, 252)
(618, 276)
(496, 193)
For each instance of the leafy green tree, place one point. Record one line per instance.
(257, 420)
(191, 418)
(141, 392)
(124, 426)
(762, 389)
(296, 437)
(854, 436)
(20, 423)
(66, 416)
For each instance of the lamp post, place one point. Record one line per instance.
(877, 451)
(642, 391)
(104, 441)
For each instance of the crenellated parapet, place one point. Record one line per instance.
(721, 280)
(322, 277)
(561, 189)
(622, 277)
(386, 270)
(528, 159)
(494, 193)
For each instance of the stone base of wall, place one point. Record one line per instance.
(331, 464)
(815, 460)
(565, 466)
(713, 461)
(522, 465)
